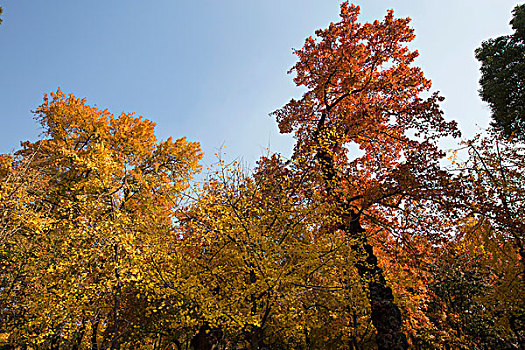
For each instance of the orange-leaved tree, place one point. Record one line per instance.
(362, 89)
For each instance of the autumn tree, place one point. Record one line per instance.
(477, 301)
(476, 276)
(271, 271)
(495, 191)
(22, 222)
(111, 193)
(361, 88)
(492, 199)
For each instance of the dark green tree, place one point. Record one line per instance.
(503, 77)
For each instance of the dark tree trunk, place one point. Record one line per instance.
(94, 331)
(77, 340)
(385, 314)
(206, 338)
(256, 339)
(55, 343)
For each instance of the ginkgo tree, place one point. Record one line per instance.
(111, 194)
(23, 219)
(272, 272)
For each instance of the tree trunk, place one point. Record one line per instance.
(206, 338)
(77, 340)
(94, 331)
(385, 314)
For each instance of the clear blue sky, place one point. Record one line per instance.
(212, 70)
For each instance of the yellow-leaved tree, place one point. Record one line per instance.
(271, 274)
(102, 225)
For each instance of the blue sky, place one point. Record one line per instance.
(212, 70)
